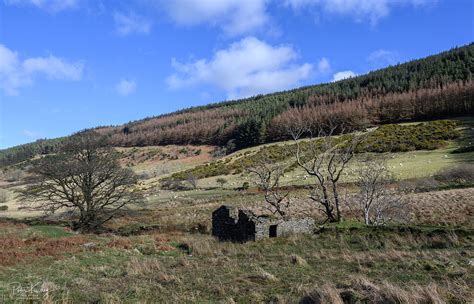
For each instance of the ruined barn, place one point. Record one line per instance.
(239, 225)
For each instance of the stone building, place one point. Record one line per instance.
(238, 225)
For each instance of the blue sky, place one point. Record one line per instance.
(66, 65)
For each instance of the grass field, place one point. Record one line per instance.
(403, 264)
(163, 251)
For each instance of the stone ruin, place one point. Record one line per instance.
(239, 225)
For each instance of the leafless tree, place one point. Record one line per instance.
(377, 201)
(325, 157)
(221, 181)
(192, 180)
(268, 175)
(84, 177)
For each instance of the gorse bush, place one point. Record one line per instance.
(403, 138)
(228, 166)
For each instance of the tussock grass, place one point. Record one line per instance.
(363, 290)
(393, 265)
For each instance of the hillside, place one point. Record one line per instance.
(432, 87)
(228, 152)
(152, 252)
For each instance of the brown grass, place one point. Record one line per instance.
(366, 291)
(120, 243)
(448, 207)
(150, 269)
(14, 250)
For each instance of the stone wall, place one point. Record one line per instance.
(224, 220)
(232, 224)
(295, 226)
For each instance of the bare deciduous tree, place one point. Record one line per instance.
(84, 177)
(377, 201)
(325, 157)
(268, 175)
(192, 180)
(222, 181)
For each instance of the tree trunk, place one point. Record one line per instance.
(336, 202)
(366, 216)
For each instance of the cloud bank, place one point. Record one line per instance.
(359, 10)
(247, 67)
(16, 74)
(234, 17)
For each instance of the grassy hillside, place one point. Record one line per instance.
(162, 251)
(415, 151)
(399, 265)
(385, 139)
(435, 86)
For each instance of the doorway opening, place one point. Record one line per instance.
(273, 231)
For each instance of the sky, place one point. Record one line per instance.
(67, 65)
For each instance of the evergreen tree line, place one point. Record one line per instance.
(434, 84)
(454, 99)
(23, 152)
(432, 87)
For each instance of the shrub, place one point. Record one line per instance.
(144, 175)
(460, 175)
(3, 208)
(464, 149)
(403, 138)
(174, 185)
(221, 181)
(425, 184)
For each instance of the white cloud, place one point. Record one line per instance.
(125, 87)
(245, 68)
(383, 57)
(233, 16)
(53, 68)
(360, 10)
(324, 66)
(131, 23)
(343, 75)
(47, 5)
(16, 74)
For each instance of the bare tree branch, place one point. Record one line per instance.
(377, 201)
(85, 177)
(268, 175)
(325, 157)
